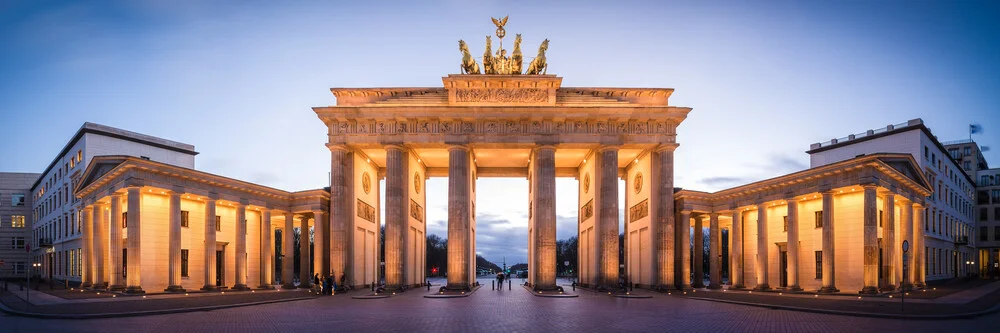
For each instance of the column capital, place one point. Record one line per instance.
(828, 192)
(686, 211)
(394, 146)
(458, 147)
(117, 194)
(791, 198)
(714, 215)
(545, 146)
(88, 208)
(666, 147)
(605, 148)
(334, 147)
(918, 205)
(869, 186)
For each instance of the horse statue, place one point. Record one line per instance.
(469, 65)
(538, 65)
(516, 59)
(489, 65)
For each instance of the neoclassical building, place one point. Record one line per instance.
(153, 226)
(839, 227)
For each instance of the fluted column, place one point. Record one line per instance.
(793, 244)
(714, 252)
(134, 283)
(665, 224)
(305, 260)
(829, 283)
(870, 241)
(209, 244)
(607, 230)
(266, 250)
(174, 246)
(699, 253)
(113, 238)
(919, 257)
(86, 270)
(321, 264)
(544, 181)
(762, 245)
(906, 223)
(684, 236)
(240, 282)
(888, 281)
(459, 217)
(340, 218)
(288, 252)
(100, 246)
(736, 251)
(396, 206)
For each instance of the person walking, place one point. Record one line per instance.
(330, 284)
(500, 278)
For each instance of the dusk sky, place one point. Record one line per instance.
(238, 79)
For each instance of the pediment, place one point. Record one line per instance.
(99, 166)
(908, 168)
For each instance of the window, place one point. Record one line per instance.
(184, 218)
(996, 233)
(880, 215)
(926, 151)
(124, 219)
(17, 221)
(996, 214)
(819, 265)
(967, 151)
(995, 194)
(218, 223)
(184, 262)
(967, 166)
(785, 218)
(17, 200)
(982, 234)
(17, 242)
(953, 152)
(982, 214)
(819, 218)
(79, 155)
(18, 268)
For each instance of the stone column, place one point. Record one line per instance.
(209, 244)
(174, 246)
(684, 236)
(736, 251)
(870, 241)
(910, 228)
(698, 280)
(829, 283)
(762, 245)
(340, 218)
(459, 217)
(134, 283)
(240, 227)
(665, 224)
(86, 270)
(544, 182)
(917, 247)
(714, 252)
(288, 252)
(396, 219)
(321, 244)
(100, 246)
(888, 281)
(266, 250)
(608, 223)
(305, 260)
(112, 244)
(793, 244)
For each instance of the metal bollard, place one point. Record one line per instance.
(428, 285)
(493, 285)
(508, 285)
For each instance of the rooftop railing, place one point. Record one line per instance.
(868, 133)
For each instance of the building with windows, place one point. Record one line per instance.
(15, 222)
(949, 242)
(57, 232)
(988, 222)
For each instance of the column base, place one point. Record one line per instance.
(174, 289)
(685, 287)
(85, 285)
(829, 290)
(738, 287)
(698, 285)
(920, 285)
(794, 288)
(134, 290)
(762, 287)
(265, 287)
(714, 285)
(208, 287)
(869, 290)
(546, 288)
(663, 288)
(906, 285)
(889, 288)
(116, 288)
(98, 286)
(288, 286)
(241, 287)
(305, 285)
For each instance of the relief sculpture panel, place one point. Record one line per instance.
(502, 95)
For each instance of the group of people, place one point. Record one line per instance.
(329, 287)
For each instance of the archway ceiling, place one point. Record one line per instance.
(437, 157)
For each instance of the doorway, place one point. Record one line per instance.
(784, 269)
(220, 265)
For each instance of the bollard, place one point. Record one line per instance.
(508, 285)
(574, 286)
(493, 285)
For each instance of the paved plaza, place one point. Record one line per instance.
(487, 310)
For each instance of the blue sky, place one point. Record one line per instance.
(237, 79)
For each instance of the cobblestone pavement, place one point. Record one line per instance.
(489, 310)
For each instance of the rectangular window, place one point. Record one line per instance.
(996, 214)
(880, 215)
(17, 242)
(184, 218)
(967, 151)
(926, 151)
(953, 152)
(995, 194)
(967, 166)
(819, 218)
(982, 214)
(982, 234)
(17, 200)
(785, 218)
(79, 155)
(124, 219)
(819, 265)
(218, 223)
(996, 233)
(17, 221)
(184, 262)
(18, 268)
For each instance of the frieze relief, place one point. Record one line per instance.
(366, 211)
(587, 211)
(501, 126)
(502, 95)
(416, 211)
(639, 211)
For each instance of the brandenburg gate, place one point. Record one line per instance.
(500, 122)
